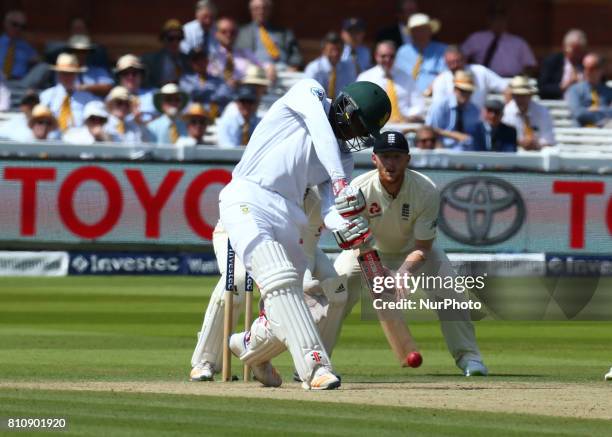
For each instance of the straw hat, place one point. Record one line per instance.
(68, 63)
(128, 61)
(42, 112)
(168, 90)
(523, 86)
(196, 110)
(80, 42)
(118, 93)
(464, 80)
(255, 75)
(418, 20)
(171, 25)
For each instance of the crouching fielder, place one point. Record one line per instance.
(325, 294)
(295, 146)
(402, 210)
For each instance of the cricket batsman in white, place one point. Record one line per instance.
(402, 211)
(297, 145)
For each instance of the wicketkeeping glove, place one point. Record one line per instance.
(350, 201)
(354, 234)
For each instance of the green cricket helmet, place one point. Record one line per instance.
(358, 113)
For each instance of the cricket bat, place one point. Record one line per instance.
(392, 322)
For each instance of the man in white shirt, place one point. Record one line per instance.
(121, 124)
(402, 209)
(485, 80)
(328, 69)
(200, 32)
(298, 144)
(407, 105)
(532, 121)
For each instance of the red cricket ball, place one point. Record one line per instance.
(414, 359)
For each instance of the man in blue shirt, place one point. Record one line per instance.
(354, 51)
(455, 117)
(238, 122)
(422, 58)
(491, 135)
(16, 55)
(589, 100)
(200, 33)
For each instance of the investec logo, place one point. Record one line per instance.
(125, 264)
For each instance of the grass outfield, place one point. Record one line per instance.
(126, 329)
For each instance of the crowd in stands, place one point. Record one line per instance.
(474, 96)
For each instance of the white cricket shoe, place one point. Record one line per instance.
(608, 376)
(323, 379)
(203, 371)
(262, 372)
(474, 368)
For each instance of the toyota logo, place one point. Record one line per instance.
(481, 210)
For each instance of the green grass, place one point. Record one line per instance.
(144, 328)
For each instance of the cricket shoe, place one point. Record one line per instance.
(608, 376)
(296, 376)
(262, 372)
(322, 379)
(475, 368)
(203, 371)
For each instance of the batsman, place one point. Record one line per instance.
(402, 210)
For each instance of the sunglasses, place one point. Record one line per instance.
(131, 73)
(175, 38)
(96, 120)
(197, 122)
(172, 99)
(18, 25)
(47, 123)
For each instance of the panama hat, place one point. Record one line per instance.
(118, 93)
(128, 61)
(41, 112)
(80, 42)
(196, 110)
(68, 63)
(168, 90)
(255, 75)
(464, 80)
(418, 20)
(522, 86)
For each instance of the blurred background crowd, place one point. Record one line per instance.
(212, 78)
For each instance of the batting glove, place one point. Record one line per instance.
(354, 234)
(350, 201)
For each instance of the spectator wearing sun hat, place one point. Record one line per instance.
(170, 101)
(422, 57)
(167, 64)
(42, 124)
(96, 80)
(455, 117)
(65, 101)
(93, 131)
(197, 118)
(121, 124)
(130, 73)
(17, 129)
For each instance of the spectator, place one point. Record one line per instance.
(169, 101)
(121, 124)
(561, 70)
(427, 139)
(422, 57)
(491, 134)
(205, 88)
(98, 55)
(270, 44)
(235, 129)
(17, 54)
(590, 99)
(200, 32)
(169, 63)
(227, 61)
(332, 73)
(64, 99)
(485, 80)
(407, 105)
(95, 80)
(506, 54)
(455, 117)
(18, 129)
(353, 34)
(130, 73)
(42, 125)
(531, 120)
(398, 32)
(5, 94)
(256, 77)
(197, 118)
(93, 131)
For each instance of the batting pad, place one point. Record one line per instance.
(329, 326)
(288, 317)
(210, 338)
